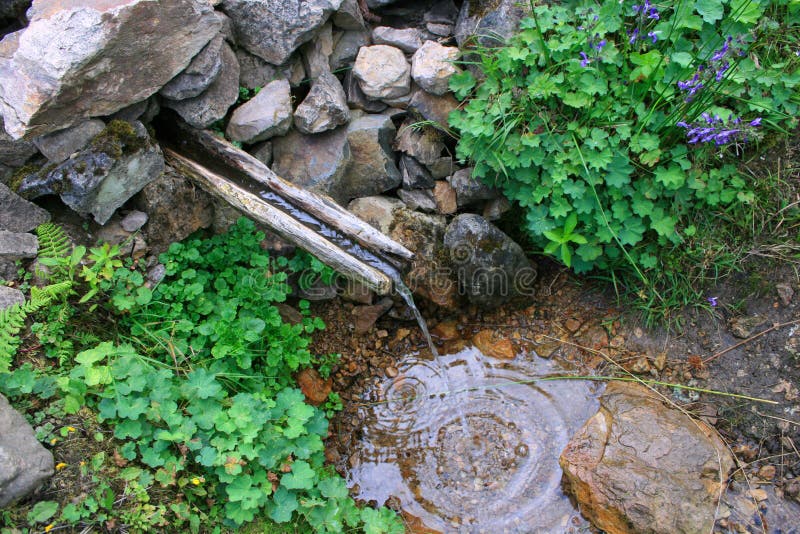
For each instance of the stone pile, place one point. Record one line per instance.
(345, 107)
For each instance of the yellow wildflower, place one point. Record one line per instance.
(60, 466)
(49, 527)
(53, 441)
(196, 481)
(70, 429)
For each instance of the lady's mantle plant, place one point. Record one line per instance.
(611, 122)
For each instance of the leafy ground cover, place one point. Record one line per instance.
(180, 394)
(626, 132)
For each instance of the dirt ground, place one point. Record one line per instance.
(747, 344)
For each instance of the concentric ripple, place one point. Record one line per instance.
(470, 444)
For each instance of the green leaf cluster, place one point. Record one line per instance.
(591, 151)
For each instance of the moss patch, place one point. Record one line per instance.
(119, 138)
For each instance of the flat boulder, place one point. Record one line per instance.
(112, 53)
(640, 466)
(60, 145)
(24, 463)
(273, 29)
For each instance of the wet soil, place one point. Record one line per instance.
(581, 329)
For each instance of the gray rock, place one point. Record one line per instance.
(324, 108)
(18, 245)
(406, 39)
(349, 16)
(201, 72)
(24, 463)
(317, 162)
(166, 224)
(415, 175)
(372, 169)
(356, 97)
(226, 28)
(317, 53)
(432, 66)
(470, 190)
(14, 153)
(100, 179)
(346, 47)
(372, 4)
(491, 268)
(267, 114)
(382, 72)
(439, 30)
(401, 102)
(58, 146)
(17, 214)
(491, 24)
(213, 103)
(442, 12)
(263, 152)
(496, 208)
(8, 297)
(639, 465)
(432, 107)
(273, 29)
(424, 144)
(377, 211)
(418, 199)
(133, 221)
(253, 71)
(112, 54)
(442, 167)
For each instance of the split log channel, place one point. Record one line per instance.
(311, 221)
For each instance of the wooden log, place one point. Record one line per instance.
(283, 224)
(202, 145)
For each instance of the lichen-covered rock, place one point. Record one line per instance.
(382, 72)
(212, 104)
(58, 146)
(273, 29)
(324, 108)
(24, 463)
(17, 214)
(639, 466)
(406, 39)
(201, 72)
(317, 162)
(372, 169)
(266, 115)
(99, 179)
(112, 53)
(492, 269)
(376, 210)
(433, 65)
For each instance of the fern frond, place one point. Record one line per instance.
(12, 319)
(55, 249)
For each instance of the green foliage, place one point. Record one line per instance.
(201, 398)
(591, 144)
